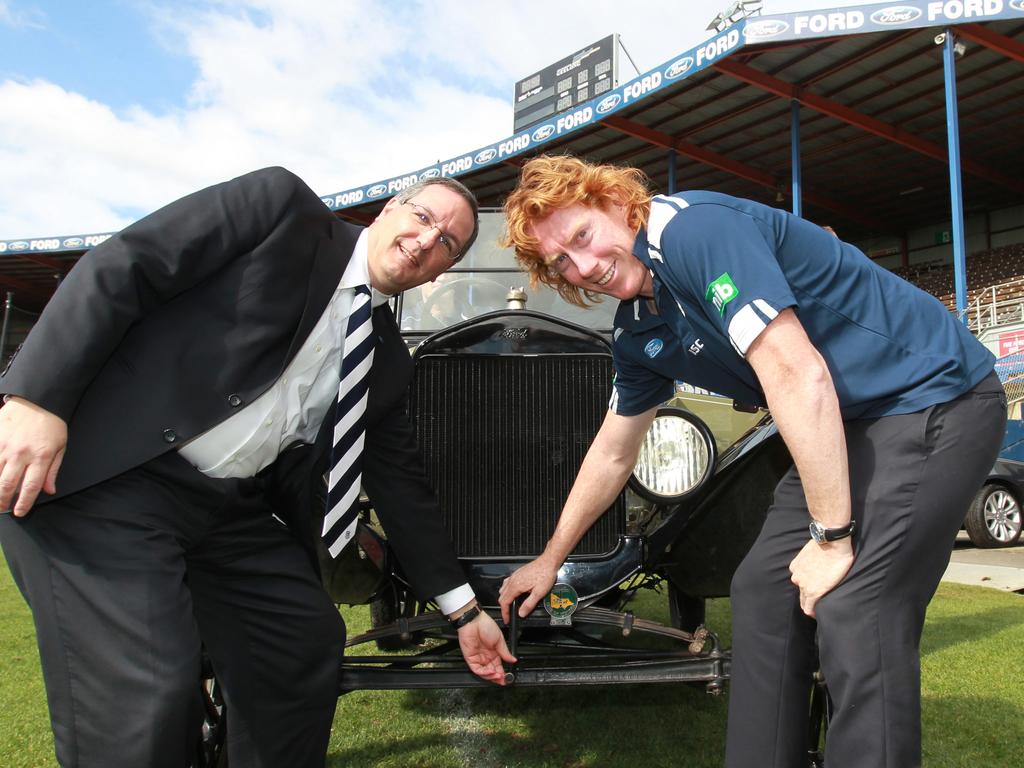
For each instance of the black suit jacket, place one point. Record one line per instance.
(170, 326)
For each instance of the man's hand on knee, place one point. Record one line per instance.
(32, 444)
(818, 568)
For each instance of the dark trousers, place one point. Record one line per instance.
(128, 578)
(912, 477)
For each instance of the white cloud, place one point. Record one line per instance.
(295, 84)
(343, 93)
(21, 18)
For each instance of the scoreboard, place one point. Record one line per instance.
(573, 80)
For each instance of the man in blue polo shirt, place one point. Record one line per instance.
(890, 347)
(889, 407)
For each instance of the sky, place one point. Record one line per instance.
(111, 108)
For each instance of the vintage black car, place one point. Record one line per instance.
(505, 406)
(510, 387)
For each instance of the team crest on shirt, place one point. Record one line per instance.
(721, 291)
(654, 346)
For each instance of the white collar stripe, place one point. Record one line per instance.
(663, 210)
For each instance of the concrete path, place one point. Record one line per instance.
(997, 568)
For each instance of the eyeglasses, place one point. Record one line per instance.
(426, 221)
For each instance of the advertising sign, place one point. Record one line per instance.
(1010, 342)
(65, 244)
(576, 79)
(583, 88)
(541, 124)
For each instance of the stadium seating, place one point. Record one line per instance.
(995, 281)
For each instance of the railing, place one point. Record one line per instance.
(996, 305)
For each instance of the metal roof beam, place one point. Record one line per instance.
(749, 107)
(355, 217)
(810, 80)
(867, 123)
(965, 130)
(723, 163)
(832, 150)
(21, 286)
(45, 261)
(1001, 44)
(706, 156)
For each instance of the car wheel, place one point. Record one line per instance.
(393, 604)
(993, 519)
(685, 611)
(211, 751)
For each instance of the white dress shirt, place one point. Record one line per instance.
(295, 406)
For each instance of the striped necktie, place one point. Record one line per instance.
(349, 426)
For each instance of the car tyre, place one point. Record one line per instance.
(685, 611)
(211, 751)
(994, 517)
(392, 604)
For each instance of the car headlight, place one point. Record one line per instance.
(676, 458)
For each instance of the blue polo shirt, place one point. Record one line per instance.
(724, 267)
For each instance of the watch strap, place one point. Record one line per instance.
(466, 617)
(821, 534)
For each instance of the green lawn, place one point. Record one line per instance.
(973, 671)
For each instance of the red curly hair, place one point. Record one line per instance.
(552, 182)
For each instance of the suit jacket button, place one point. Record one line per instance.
(170, 435)
(234, 401)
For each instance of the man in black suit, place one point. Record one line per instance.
(158, 402)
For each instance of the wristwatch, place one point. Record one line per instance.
(465, 618)
(821, 534)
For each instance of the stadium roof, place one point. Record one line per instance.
(872, 126)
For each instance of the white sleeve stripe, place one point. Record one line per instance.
(766, 309)
(663, 210)
(745, 326)
(613, 404)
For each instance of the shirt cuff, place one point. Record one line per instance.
(454, 599)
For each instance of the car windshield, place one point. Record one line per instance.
(480, 283)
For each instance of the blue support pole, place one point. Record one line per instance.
(794, 148)
(955, 187)
(671, 171)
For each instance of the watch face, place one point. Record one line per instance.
(821, 534)
(817, 531)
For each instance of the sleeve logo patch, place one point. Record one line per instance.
(721, 291)
(654, 346)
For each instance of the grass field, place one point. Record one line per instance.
(973, 684)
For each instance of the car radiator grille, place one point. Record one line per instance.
(503, 439)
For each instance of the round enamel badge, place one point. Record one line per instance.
(561, 604)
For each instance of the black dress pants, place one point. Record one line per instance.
(912, 477)
(126, 580)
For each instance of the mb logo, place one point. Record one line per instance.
(721, 291)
